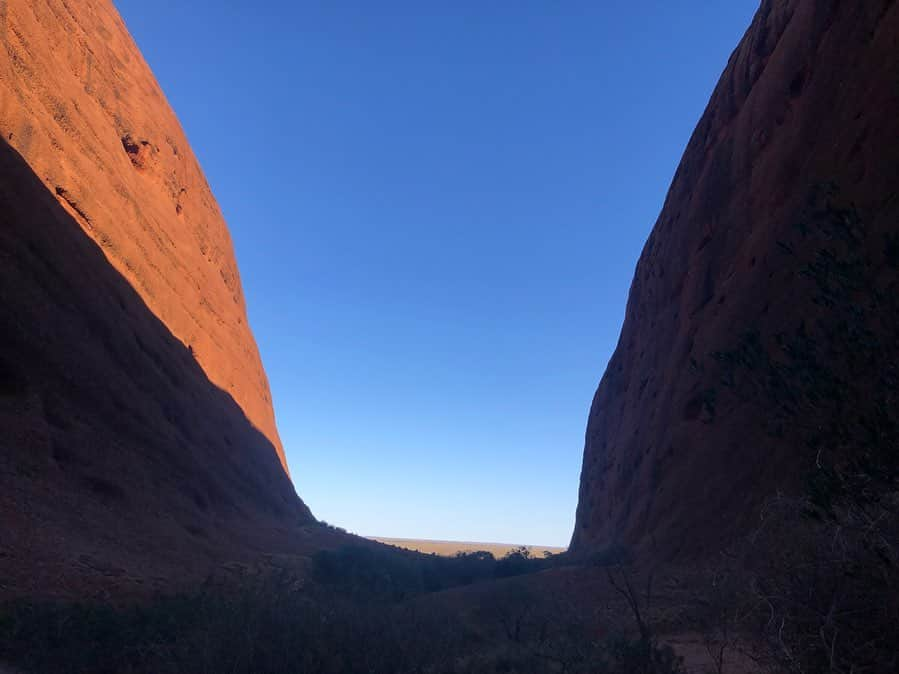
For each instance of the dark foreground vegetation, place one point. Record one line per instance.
(804, 594)
(801, 593)
(386, 573)
(363, 609)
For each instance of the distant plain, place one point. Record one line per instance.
(451, 548)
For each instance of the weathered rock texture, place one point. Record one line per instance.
(138, 438)
(673, 464)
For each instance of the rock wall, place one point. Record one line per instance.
(675, 464)
(80, 104)
(139, 441)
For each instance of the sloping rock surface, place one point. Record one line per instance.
(808, 105)
(138, 440)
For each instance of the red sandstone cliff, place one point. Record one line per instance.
(673, 464)
(138, 436)
(82, 107)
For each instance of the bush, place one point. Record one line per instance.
(266, 626)
(368, 572)
(804, 594)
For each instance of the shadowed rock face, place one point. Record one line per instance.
(79, 103)
(139, 446)
(809, 102)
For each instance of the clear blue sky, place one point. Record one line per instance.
(437, 208)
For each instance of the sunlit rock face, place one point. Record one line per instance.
(138, 429)
(804, 124)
